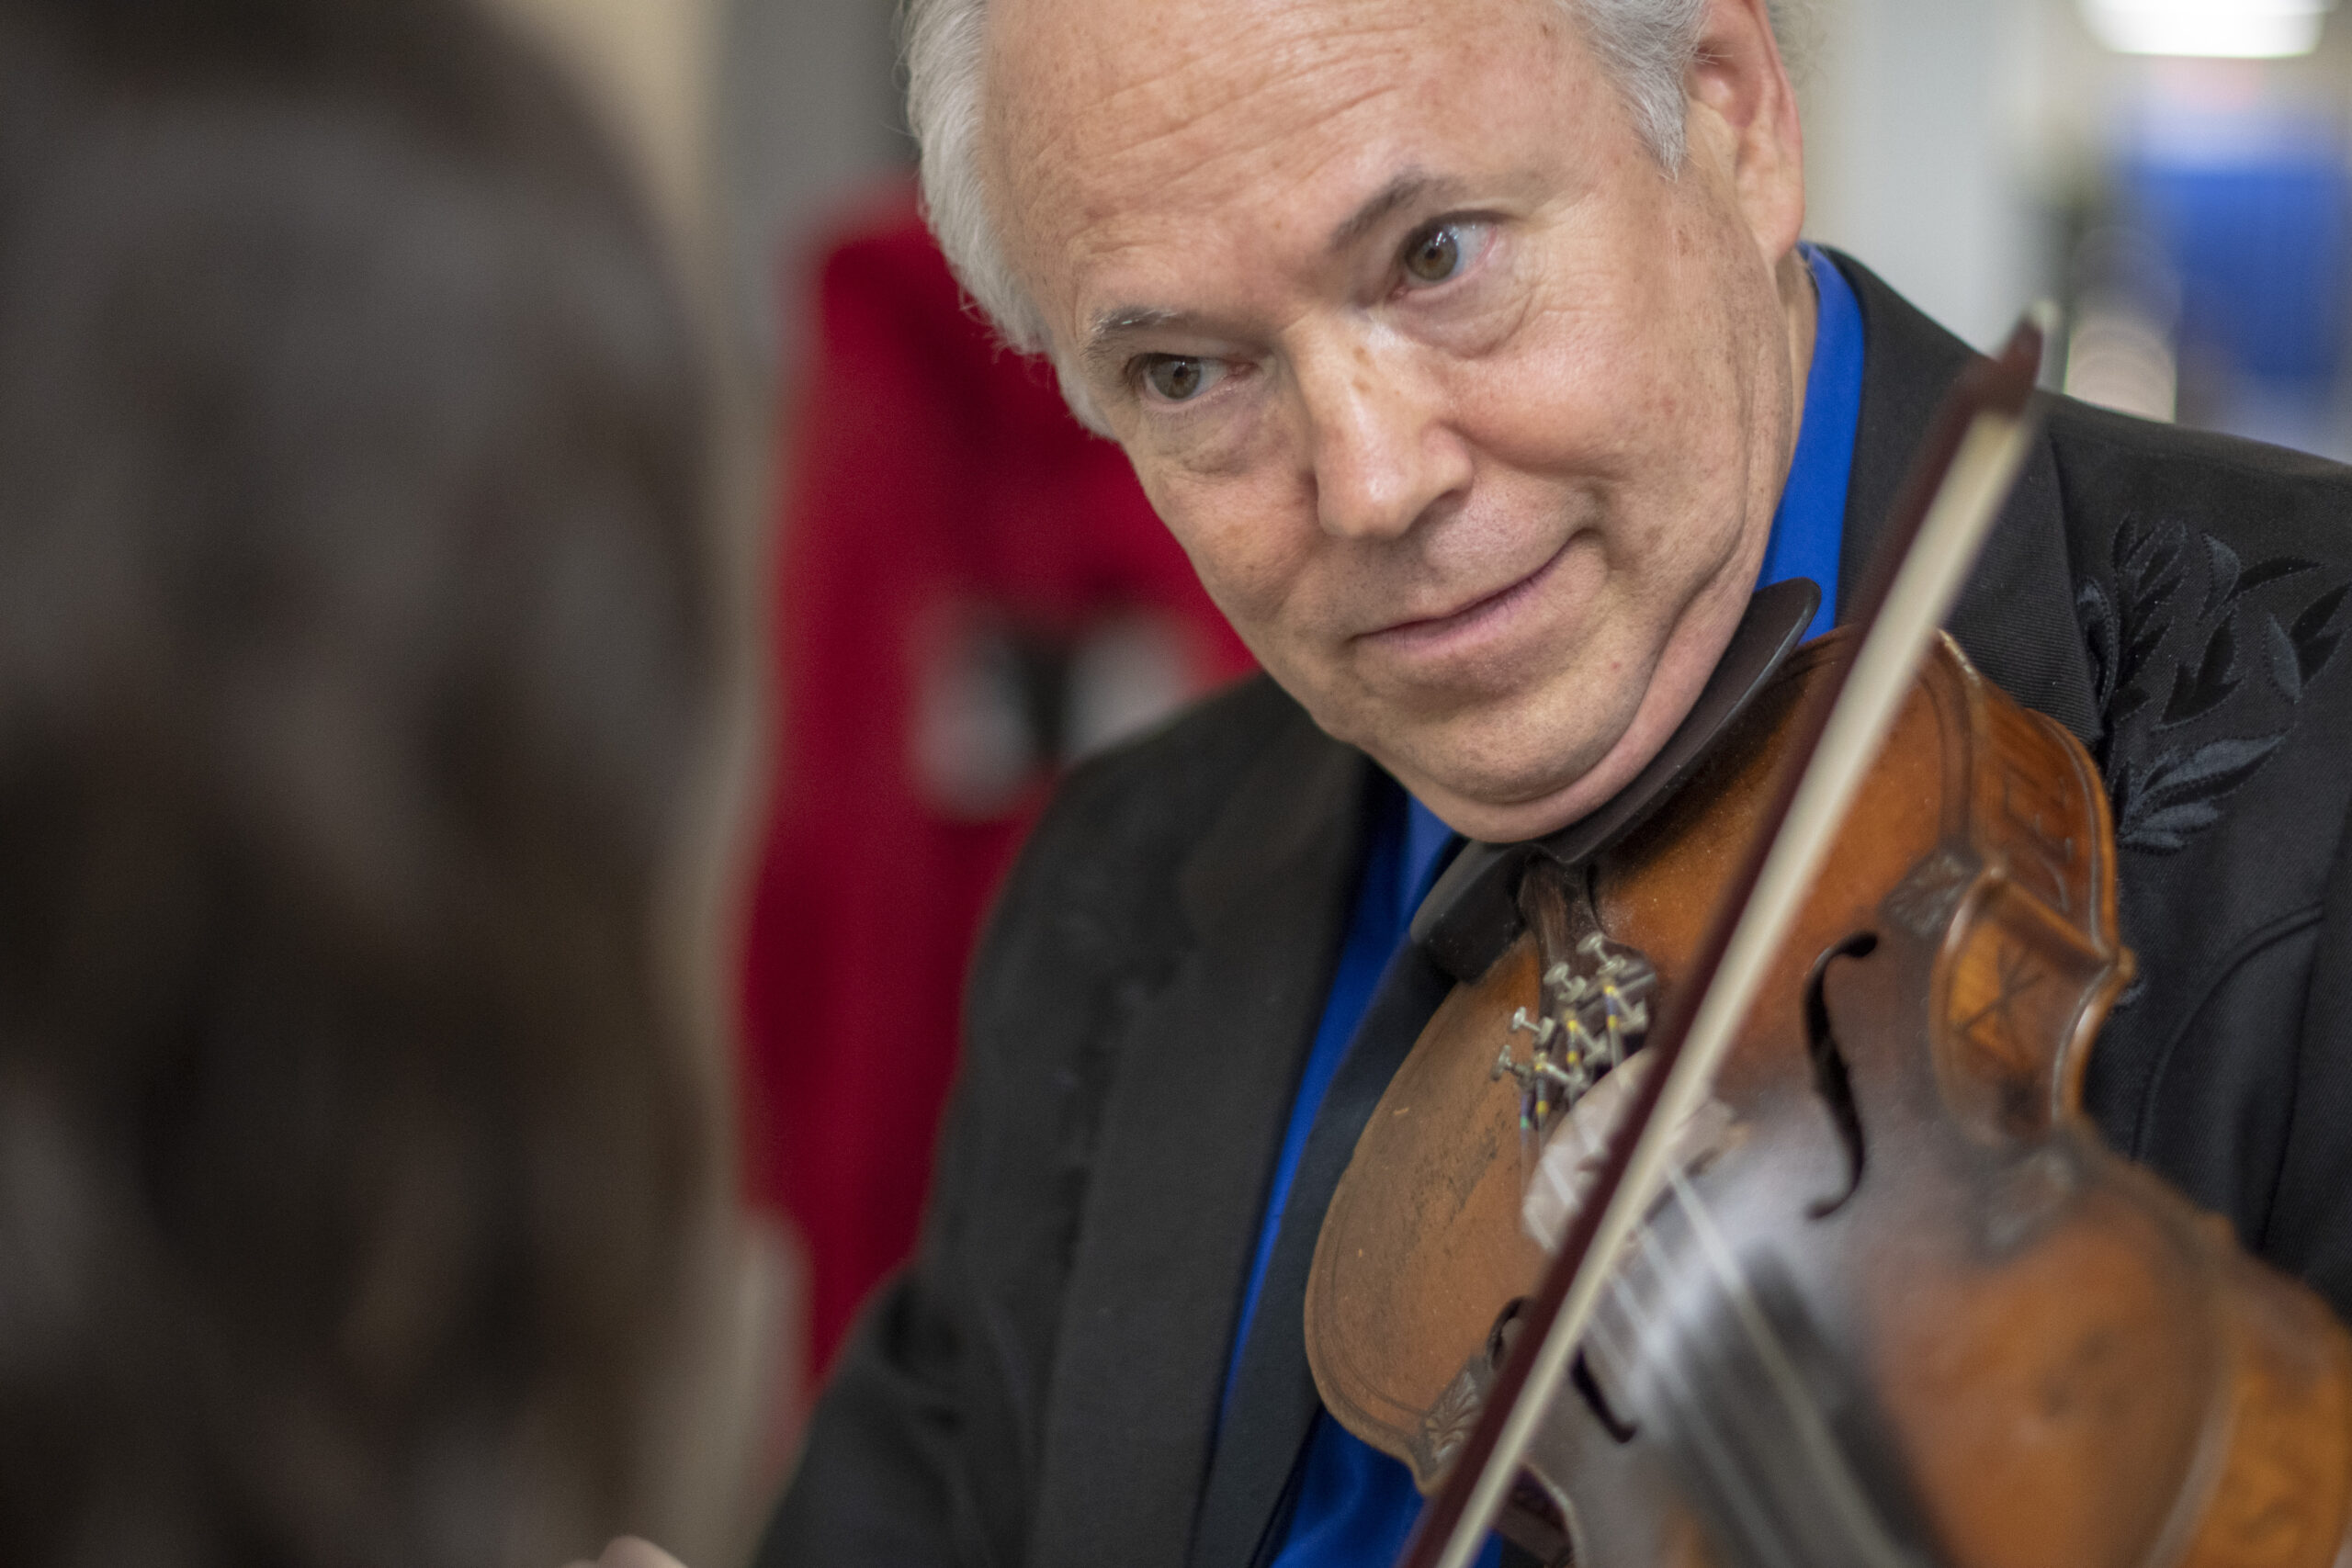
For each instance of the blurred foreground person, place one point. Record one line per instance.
(359, 667)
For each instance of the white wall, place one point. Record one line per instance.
(1920, 116)
(808, 115)
(754, 120)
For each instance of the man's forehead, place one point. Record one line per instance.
(1110, 117)
(1194, 55)
(1089, 90)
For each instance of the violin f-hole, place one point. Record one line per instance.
(1499, 1343)
(1620, 1430)
(1830, 1078)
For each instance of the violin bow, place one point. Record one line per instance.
(1941, 517)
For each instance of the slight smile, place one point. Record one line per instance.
(1437, 634)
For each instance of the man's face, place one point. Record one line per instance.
(1471, 417)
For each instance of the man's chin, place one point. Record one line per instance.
(1473, 768)
(1504, 821)
(1487, 786)
(1514, 798)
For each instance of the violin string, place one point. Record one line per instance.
(1864, 1528)
(1752, 1517)
(1646, 1271)
(1620, 1347)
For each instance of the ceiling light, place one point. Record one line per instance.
(2242, 30)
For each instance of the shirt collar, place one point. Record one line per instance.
(1810, 526)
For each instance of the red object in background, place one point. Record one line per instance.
(954, 546)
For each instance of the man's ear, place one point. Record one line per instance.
(1738, 82)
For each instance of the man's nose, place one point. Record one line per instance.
(1383, 449)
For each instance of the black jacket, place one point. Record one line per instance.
(1040, 1386)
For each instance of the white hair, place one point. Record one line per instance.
(1646, 46)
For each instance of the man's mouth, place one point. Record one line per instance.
(1431, 632)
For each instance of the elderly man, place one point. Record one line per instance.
(1472, 353)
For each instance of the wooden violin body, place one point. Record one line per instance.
(1907, 1307)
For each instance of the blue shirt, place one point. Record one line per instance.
(1809, 529)
(1355, 1506)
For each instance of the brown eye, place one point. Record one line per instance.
(1176, 378)
(1435, 256)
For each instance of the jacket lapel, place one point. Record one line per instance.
(2016, 617)
(1191, 1124)
(1274, 1400)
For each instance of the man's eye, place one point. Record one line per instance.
(1179, 378)
(1438, 254)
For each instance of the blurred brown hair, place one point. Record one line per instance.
(357, 661)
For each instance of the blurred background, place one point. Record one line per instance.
(2174, 167)
(969, 594)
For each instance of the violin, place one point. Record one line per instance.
(1863, 1287)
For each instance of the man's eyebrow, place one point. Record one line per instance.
(1114, 326)
(1411, 187)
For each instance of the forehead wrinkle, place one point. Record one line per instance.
(1218, 180)
(1168, 157)
(1120, 128)
(1215, 81)
(1153, 116)
(1207, 199)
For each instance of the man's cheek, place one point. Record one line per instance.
(1265, 616)
(1247, 558)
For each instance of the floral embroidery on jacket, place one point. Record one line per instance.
(2197, 689)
